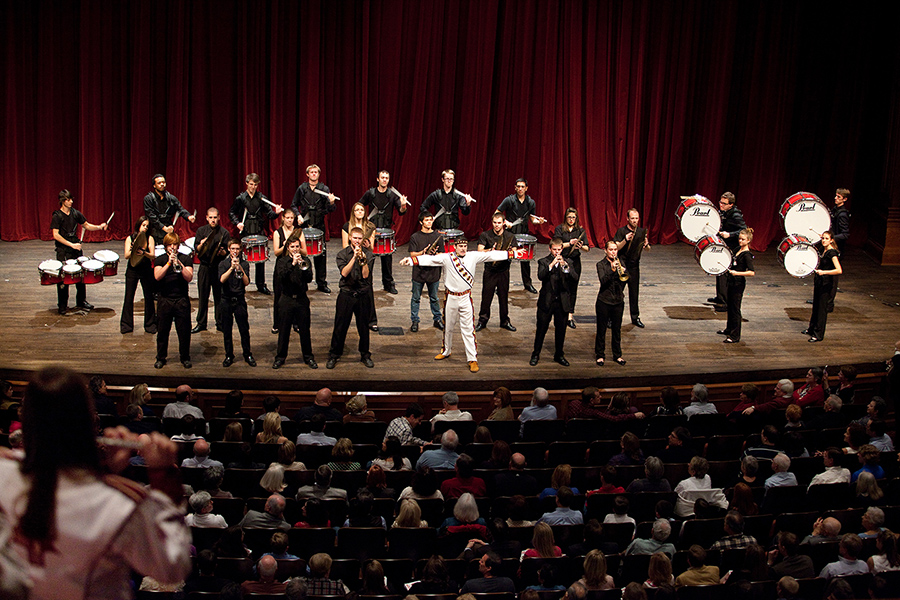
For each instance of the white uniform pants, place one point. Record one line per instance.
(459, 309)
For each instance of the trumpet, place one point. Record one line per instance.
(623, 274)
(360, 256)
(176, 264)
(301, 261)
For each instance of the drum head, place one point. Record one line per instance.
(51, 266)
(698, 219)
(76, 268)
(92, 265)
(255, 240)
(311, 233)
(523, 239)
(809, 218)
(384, 232)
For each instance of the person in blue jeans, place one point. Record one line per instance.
(426, 240)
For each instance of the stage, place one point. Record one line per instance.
(678, 346)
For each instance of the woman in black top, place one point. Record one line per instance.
(574, 243)
(736, 281)
(829, 266)
(279, 245)
(610, 305)
(142, 273)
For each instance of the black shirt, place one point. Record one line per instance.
(257, 213)
(453, 203)
(630, 254)
(563, 233)
(293, 279)
(385, 202)
(172, 285)
(827, 264)
(733, 223)
(742, 262)
(161, 211)
(514, 210)
(611, 288)
(492, 241)
(311, 205)
(66, 224)
(419, 242)
(215, 239)
(354, 282)
(234, 285)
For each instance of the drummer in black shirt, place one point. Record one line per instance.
(249, 212)
(173, 273)
(384, 200)
(312, 207)
(63, 223)
(496, 274)
(519, 208)
(732, 225)
(450, 200)
(211, 248)
(232, 274)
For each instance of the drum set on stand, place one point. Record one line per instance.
(84, 269)
(805, 218)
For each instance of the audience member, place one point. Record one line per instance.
(607, 482)
(391, 458)
(678, 448)
(868, 492)
(670, 403)
(319, 582)
(659, 573)
(781, 475)
(402, 427)
(376, 482)
(279, 547)
(450, 410)
(813, 391)
(184, 396)
(342, 456)
(595, 576)
(435, 579)
(357, 410)
(188, 430)
(872, 523)
(848, 562)
(825, 530)
(234, 401)
(563, 514)
(465, 519)
(409, 515)
(201, 457)
(271, 518)
(655, 480)
(794, 564)
(769, 444)
(201, 504)
(266, 584)
(700, 404)
(698, 485)
(287, 457)
(658, 542)
(540, 409)
(698, 573)
(271, 431)
(205, 579)
(321, 489)
(424, 485)
(869, 457)
(502, 405)
(515, 480)
(445, 456)
(631, 453)
(878, 437)
(886, 557)
(742, 500)
(734, 538)
(620, 512)
(834, 472)
(316, 436)
(320, 406)
(273, 479)
(562, 476)
(489, 563)
(465, 481)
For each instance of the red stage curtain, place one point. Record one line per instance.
(602, 105)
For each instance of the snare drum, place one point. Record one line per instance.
(450, 237)
(523, 240)
(698, 218)
(51, 272)
(384, 242)
(798, 255)
(713, 255)
(190, 243)
(72, 274)
(93, 271)
(256, 248)
(805, 215)
(314, 241)
(110, 261)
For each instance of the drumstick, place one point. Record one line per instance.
(439, 213)
(110, 218)
(195, 213)
(471, 199)
(393, 189)
(244, 218)
(272, 204)
(373, 213)
(321, 193)
(174, 219)
(516, 222)
(81, 239)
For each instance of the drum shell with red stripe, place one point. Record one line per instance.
(255, 248)
(804, 214)
(713, 255)
(384, 242)
(93, 271)
(698, 218)
(314, 241)
(526, 242)
(798, 255)
(51, 272)
(450, 238)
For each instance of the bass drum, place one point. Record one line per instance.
(713, 255)
(698, 218)
(798, 255)
(805, 215)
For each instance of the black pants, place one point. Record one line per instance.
(822, 288)
(261, 274)
(234, 308)
(207, 279)
(559, 317)
(575, 265)
(634, 288)
(179, 311)
(320, 263)
(834, 289)
(722, 289)
(143, 274)
(606, 312)
(735, 297)
(373, 317)
(526, 272)
(62, 289)
(494, 281)
(387, 270)
(351, 304)
(293, 310)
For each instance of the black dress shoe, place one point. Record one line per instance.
(729, 340)
(61, 311)
(367, 362)
(620, 360)
(312, 363)
(507, 326)
(151, 330)
(571, 324)
(324, 289)
(439, 325)
(531, 288)
(637, 323)
(479, 326)
(713, 300)
(86, 305)
(124, 330)
(721, 308)
(813, 340)
(373, 327)
(279, 362)
(534, 360)
(229, 360)
(250, 361)
(263, 289)
(414, 327)
(275, 330)
(159, 364)
(804, 332)
(197, 329)
(186, 364)
(721, 332)
(391, 289)
(331, 363)
(561, 360)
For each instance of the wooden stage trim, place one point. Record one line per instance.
(678, 347)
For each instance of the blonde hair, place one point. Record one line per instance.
(660, 570)
(137, 393)
(544, 543)
(594, 569)
(342, 450)
(271, 428)
(748, 232)
(410, 515)
(562, 476)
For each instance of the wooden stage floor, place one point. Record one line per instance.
(679, 344)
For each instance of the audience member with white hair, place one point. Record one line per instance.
(201, 504)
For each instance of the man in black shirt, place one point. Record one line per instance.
(293, 272)
(731, 226)
(519, 209)
(425, 241)
(312, 201)
(63, 223)
(249, 212)
(211, 248)
(632, 240)
(555, 301)
(840, 228)
(610, 305)
(161, 207)
(384, 200)
(173, 272)
(232, 274)
(353, 300)
(496, 274)
(447, 201)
